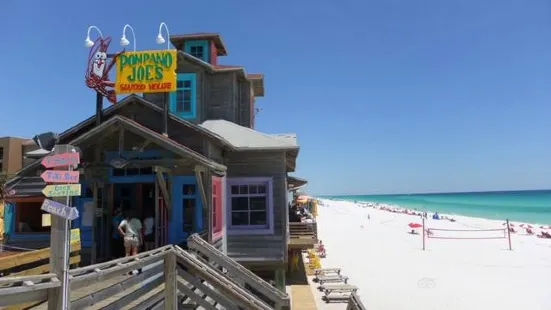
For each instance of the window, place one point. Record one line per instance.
(188, 206)
(182, 101)
(29, 218)
(133, 171)
(197, 52)
(198, 49)
(250, 204)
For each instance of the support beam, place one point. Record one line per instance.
(199, 177)
(280, 279)
(163, 188)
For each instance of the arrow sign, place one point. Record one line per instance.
(61, 160)
(61, 190)
(58, 176)
(59, 209)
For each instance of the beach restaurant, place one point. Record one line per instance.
(191, 157)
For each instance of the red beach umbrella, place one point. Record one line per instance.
(415, 225)
(529, 226)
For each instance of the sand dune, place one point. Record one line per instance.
(391, 270)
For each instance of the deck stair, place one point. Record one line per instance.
(167, 271)
(239, 273)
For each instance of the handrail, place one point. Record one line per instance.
(303, 229)
(26, 289)
(233, 267)
(354, 303)
(214, 276)
(18, 260)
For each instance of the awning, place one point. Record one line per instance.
(20, 187)
(294, 183)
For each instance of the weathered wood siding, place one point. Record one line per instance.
(261, 164)
(222, 96)
(244, 104)
(185, 66)
(154, 121)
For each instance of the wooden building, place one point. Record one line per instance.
(193, 159)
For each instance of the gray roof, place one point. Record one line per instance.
(246, 138)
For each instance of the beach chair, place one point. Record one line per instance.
(338, 288)
(339, 297)
(323, 271)
(332, 279)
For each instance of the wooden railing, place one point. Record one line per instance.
(171, 278)
(355, 303)
(239, 273)
(303, 230)
(34, 262)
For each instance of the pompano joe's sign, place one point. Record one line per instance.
(146, 72)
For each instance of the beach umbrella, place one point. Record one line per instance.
(511, 224)
(529, 226)
(415, 225)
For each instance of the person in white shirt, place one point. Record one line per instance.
(131, 229)
(149, 236)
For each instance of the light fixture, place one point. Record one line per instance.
(160, 39)
(124, 40)
(88, 42)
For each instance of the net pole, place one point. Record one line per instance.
(423, 233)
(509, 235)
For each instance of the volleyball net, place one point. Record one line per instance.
(467, 234)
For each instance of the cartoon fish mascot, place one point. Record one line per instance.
(97, 73)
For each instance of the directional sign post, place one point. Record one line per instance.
(65, 156)
(61, 190)
(57, 176)
(59, 209)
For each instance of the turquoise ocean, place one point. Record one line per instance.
(532, 206)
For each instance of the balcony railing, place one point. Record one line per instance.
(303, 235)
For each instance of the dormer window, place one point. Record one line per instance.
(183, 100)
(198, 49)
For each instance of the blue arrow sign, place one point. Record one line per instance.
(59, 209)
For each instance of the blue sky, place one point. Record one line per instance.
(385, 96)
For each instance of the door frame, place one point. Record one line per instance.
(176, 233)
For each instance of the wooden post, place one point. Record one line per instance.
(509, 235)
(171, 284)
(58, 243)
(423, 233)
(280, 278)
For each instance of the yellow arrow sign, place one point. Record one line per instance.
(61, 190)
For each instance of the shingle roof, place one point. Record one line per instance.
(245, 138)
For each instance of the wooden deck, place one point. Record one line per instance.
(302, 297)
(301, 292)
(303, 235)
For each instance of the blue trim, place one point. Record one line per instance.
(85, 231)
(176, 235)
(198, 43)
(182, 77)
(14, 236)
(148, 178)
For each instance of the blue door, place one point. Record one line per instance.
(187, 214)
(86, 210)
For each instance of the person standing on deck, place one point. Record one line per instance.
(131, 229)
(117, 244)
(149, 236)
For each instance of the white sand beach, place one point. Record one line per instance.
(394, 273)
